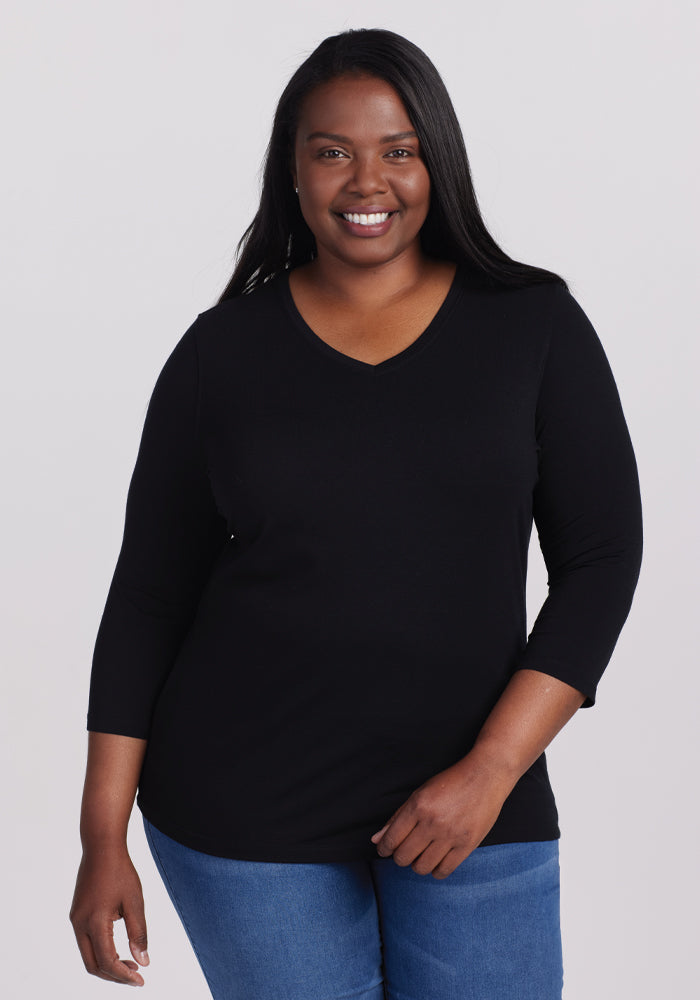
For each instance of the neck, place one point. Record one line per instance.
(363, 286)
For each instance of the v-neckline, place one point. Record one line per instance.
(426, 337)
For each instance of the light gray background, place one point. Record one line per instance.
(133, 134)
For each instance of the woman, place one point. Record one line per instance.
(313, 660)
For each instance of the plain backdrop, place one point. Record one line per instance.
(133, 135)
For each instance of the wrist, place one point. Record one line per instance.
(105, 854)
(103, 841)
(495, 762)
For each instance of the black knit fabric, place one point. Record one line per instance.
(320, 592)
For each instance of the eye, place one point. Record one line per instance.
(401, 154)
(331, 154)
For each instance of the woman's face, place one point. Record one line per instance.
(364, 189)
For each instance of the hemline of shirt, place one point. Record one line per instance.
(283, 853)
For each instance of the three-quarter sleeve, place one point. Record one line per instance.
(172, 533)
(587, 506)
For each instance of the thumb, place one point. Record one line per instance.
(135, 923)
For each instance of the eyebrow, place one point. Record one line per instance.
(334, 137)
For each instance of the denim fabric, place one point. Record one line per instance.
(371, 930)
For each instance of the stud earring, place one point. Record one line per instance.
(296, 190)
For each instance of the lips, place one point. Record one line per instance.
(371, 218)
(364, 209)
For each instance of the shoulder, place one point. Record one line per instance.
(245, 334)
(539, 299)
(238, 316)
(534, 301)
(525, 317)
(547, 313)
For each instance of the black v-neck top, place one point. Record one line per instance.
(320, 592)
(419, 344)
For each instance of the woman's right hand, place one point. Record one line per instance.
(107, 889)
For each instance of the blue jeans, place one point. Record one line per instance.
(371, 930)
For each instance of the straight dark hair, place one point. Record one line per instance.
(278, 238)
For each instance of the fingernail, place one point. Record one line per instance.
(143, 957)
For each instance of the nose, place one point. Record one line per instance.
(367, 176)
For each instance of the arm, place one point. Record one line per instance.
(442, 822)
(108, 887)
(172, 534)
(587, 509)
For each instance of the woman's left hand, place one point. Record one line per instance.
(442, 822)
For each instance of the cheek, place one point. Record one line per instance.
(318, 189)
(416, 190)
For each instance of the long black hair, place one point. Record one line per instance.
(279, 238)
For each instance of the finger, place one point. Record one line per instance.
(376, 837)
(108, 962)
(395, 833)
(87, 954)
(412, 847)
(452, 860)
(135, 923)
(431, 857)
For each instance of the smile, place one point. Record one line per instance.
(373, 219)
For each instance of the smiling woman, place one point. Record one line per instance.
(364, 192)
(313, 661)
(371, 166)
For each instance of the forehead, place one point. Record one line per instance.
(358, 106)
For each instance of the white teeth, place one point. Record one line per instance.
(366, 220)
